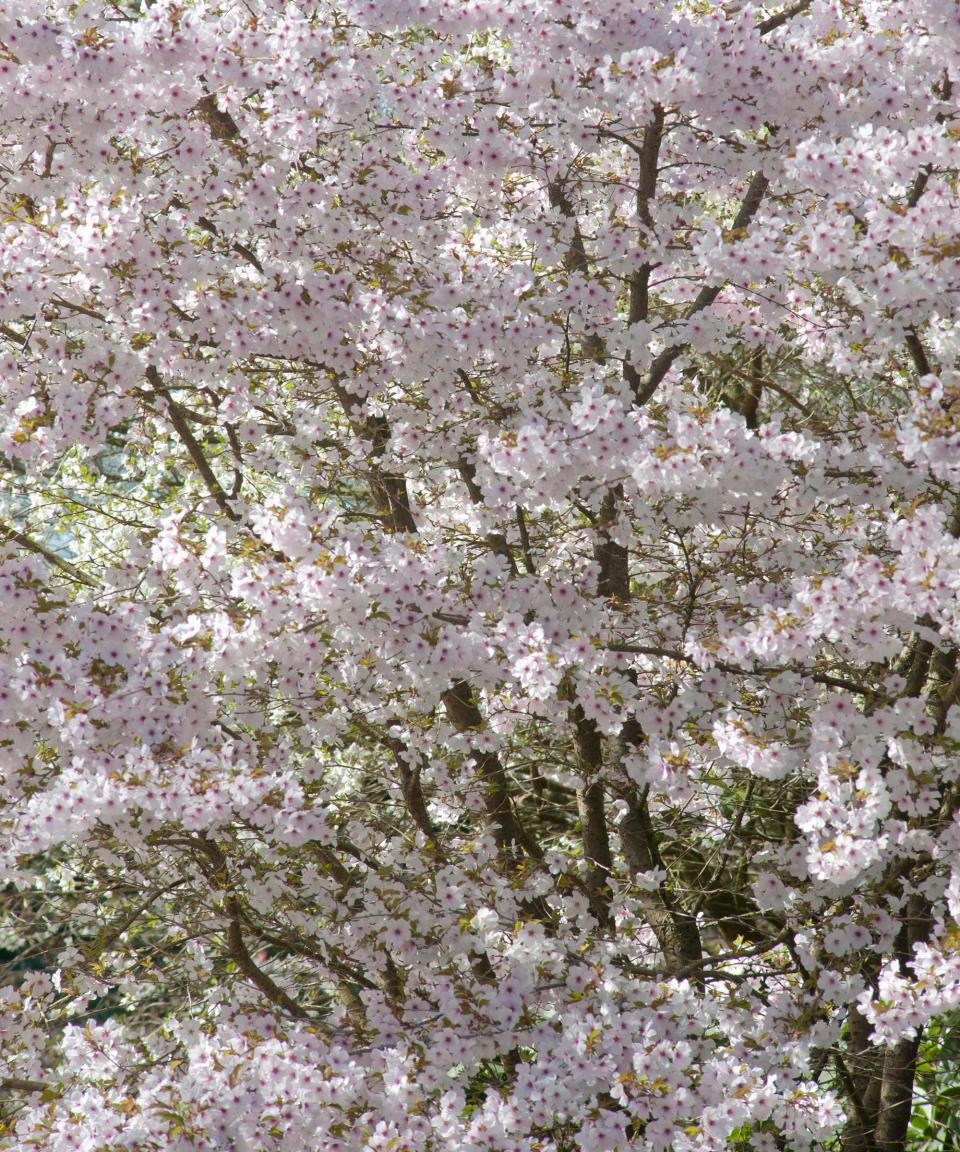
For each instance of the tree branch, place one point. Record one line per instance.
(590, 809)
(525, 543)
(464, 715)
(16, 1084)
(195, 452)
(706, 296)
(917, 352)
(676, 930)
(236, 946)
(780, 18)
(639, 306)
(8, 532)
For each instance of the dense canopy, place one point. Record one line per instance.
(479, 568)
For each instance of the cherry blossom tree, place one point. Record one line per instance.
(479, 559)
